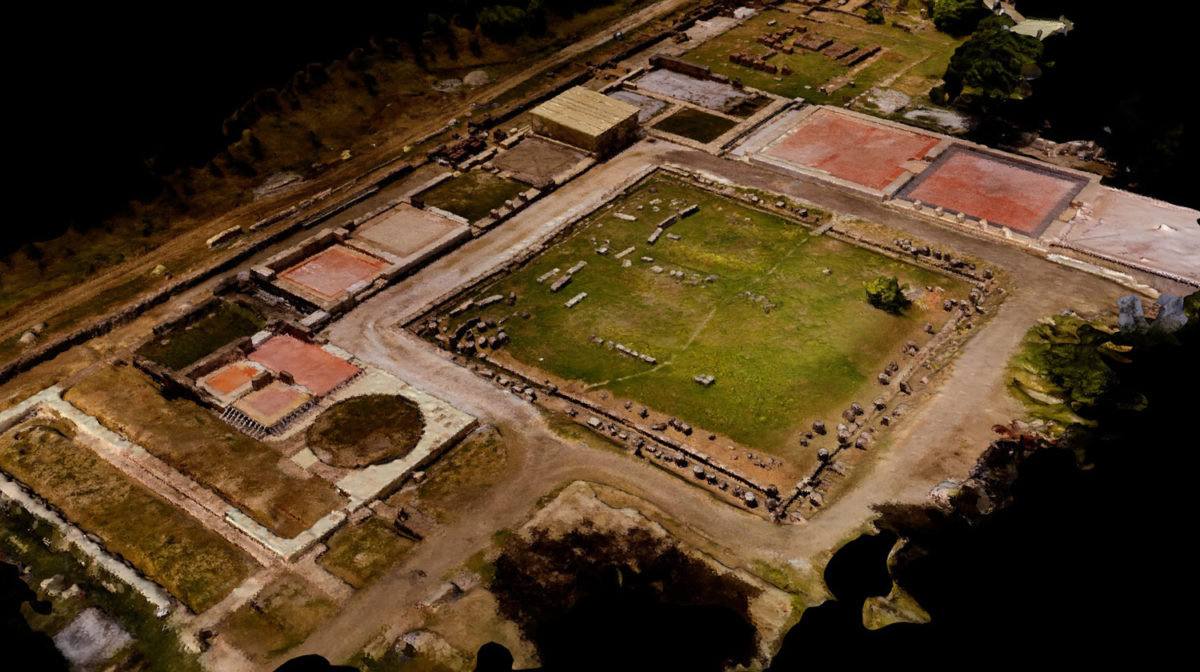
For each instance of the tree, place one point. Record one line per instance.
(874, 15)
(886, 294)
(502, 23)
(957, 17)
(995, 63)
(1070, 359)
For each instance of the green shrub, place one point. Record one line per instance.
(937, 95)
(886, 294)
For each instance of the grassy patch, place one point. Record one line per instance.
(47, 267)
(479, 564)
(187, 345)
(194, 564)
(280, 617)
(749, 106)
(571, 430)
(155, 648)
(473, 194)
(464, 473)
(360, 553)
(914, 57)
(1061, 368)
(364, 430)
(195, 441)
(699, 126)
(74, 316)
(29, 383)
(787, 343)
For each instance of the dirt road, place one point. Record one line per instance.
(939, 440)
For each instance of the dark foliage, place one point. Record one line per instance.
(957, 17)
(597, 601)
(996, 62)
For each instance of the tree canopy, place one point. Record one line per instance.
(957, 17)
(996, 63)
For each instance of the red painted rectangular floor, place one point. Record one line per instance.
(311, 366)
(1002, 192)
(272, 403)
(231, 376)
(331, 271)
(864, 153)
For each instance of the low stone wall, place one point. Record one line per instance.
(185, 319)
(172, 383)
(14, 491)
(109, 443)
(26, 498)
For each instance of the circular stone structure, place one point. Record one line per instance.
(370, 429)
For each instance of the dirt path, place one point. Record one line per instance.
(939, 440)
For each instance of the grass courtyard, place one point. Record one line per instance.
(787, 343)
(473, 194)
(186, 345)
(366, 430)
(916, 60)
(694, 124)
(359, 553)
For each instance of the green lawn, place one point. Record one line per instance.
(195, 565)
(697, 125)
(817, 349)
(473, 194)
(187, 345)
(920, 56)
